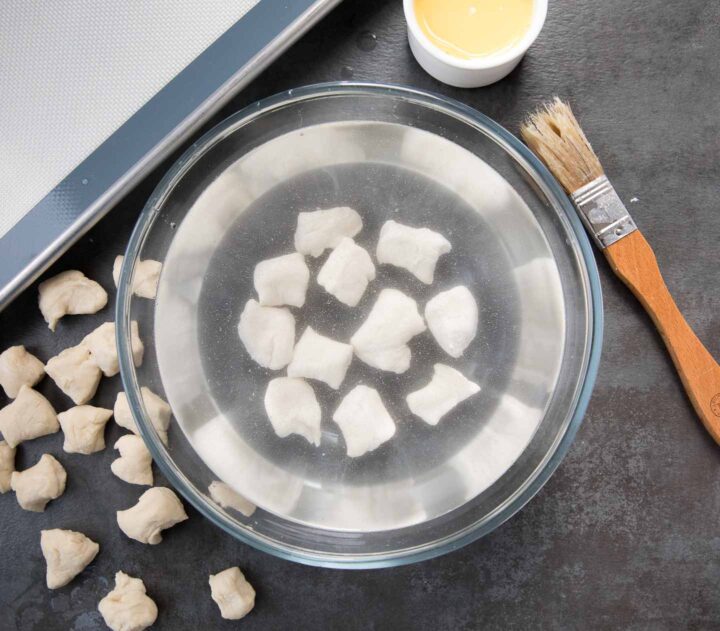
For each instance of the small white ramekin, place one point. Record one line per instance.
(469, 73)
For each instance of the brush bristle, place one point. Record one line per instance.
(554, 134)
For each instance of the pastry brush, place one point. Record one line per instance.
(554, 134)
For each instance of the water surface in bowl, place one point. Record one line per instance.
(384, 171)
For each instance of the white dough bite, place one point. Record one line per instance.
(282, 281)
(452, 317)
(156, 407)
(157, 509)
(134, 465)
(321, 358)
(75, 372)
(268, 334)
(36, 486)
(7, 465)
(347, 272)
(19, 368)
(415, 249)
(101, 343)
(67, 553)
(233, 594)
(381, 341)
(447, 388)
(364, 421)
(69, 293)
(84, 428)
(322, 229)
(146, 278)
(293, 408)
(29, 416)
(226, 497)
(128, 607)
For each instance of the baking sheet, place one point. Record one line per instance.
(92, 95)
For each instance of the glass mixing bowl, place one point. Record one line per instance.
(389, 152)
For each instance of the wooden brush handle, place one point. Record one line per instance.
(634, 262)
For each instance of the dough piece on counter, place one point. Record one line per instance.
(381, 341)
(321, 358)
(122, 414)
(70, 293)
(282, 281)
(135, 462)
(268, 334)
(447, 388)
(415, 249)
(29, 416)
(347, 272)
(67, 553)
(364, 421)
(128, 607)
(19, 368)
(226, 497)
(39, 484)
(145, 281)
(7, 465)
(84, 428)
(101, 343)
(233, 594)
(75, 372)
(157, 509)
(157, 408)
(452, 317)
(322, 229)
(293, 408)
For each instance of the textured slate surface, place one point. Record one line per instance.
(626, 534)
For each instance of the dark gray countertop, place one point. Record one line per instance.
(625, 535)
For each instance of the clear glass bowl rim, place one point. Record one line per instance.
(510, 144)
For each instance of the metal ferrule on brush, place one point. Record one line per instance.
(603, 212)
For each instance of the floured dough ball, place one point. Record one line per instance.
(233, 594)
(347, 272)
(39, 484)
(156, 407)
(67, 553)
(293, 408)
(75, 372)
(364, 421)
(381, 341)
(128, 607)
(29, 416)
(226, 497)
(84, 428)
(319, 357)
(70, 293)
(415, 249)
(135, 462)
(19, 368)
(282, 281)
(452, 317)
(101, 343)
(7, 465)
(268, 334)
(145, 281)
(157, 509)
(322, 229)
(447, 388)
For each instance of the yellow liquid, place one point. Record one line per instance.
(469, 29)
